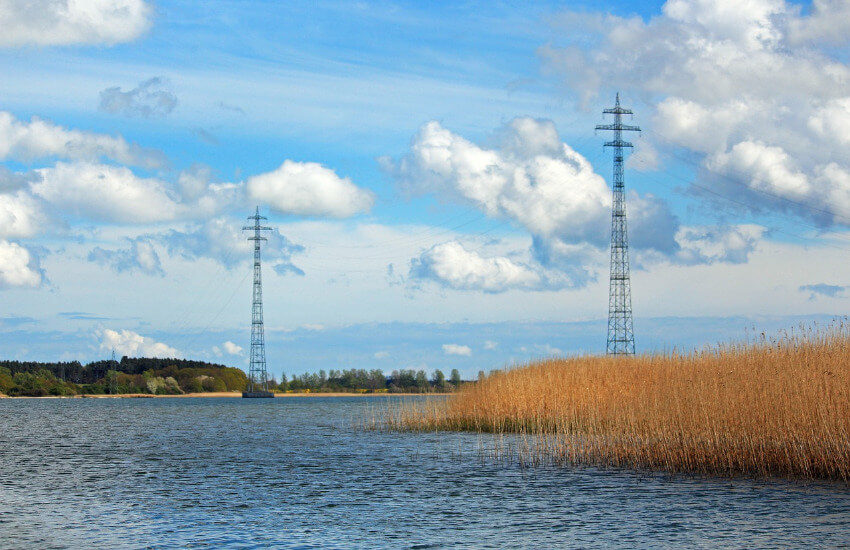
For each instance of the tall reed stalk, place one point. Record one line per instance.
(774, 407)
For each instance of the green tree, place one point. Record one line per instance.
(439, 380)
(377, 380)
(111, 381)
(455, 378)
(421, 382)
(27, 383)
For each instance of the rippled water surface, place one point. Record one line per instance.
(213, 473)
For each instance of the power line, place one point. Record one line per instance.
(739, 181)
(772, 228)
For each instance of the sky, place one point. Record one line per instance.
(438, 195)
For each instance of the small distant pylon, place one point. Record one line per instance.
(113, 382)
(257, 373)
(621, 337)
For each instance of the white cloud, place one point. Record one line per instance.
(769, 168)
(232, 348)
(38, 139)
(381, 355)
(456, 349)
(141, 256)
(220, 239)
(751, 87)
(151, 98)
(531, 178)
(132, 344)
(20, 215)
(455, 267)
(195, 181)
(64, 22)
(18, 266)
(309, 189)
(704, 244)
(490, 345)
(223, 240)
(829, 23)
(831, 120)
(107, 193)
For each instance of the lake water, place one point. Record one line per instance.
(298, 473)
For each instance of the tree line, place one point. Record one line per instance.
(157, 376)
(129, 375)
(403, 380)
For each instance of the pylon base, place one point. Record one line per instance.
(256, 394)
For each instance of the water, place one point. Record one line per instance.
(297, 473)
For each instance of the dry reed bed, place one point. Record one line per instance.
(777, 407)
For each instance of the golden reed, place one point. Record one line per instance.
(777, 407)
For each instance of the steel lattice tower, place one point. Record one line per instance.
(621, 337)
(257, 373)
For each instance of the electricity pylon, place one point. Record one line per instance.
(621, 336)
(257, 373)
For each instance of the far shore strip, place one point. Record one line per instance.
(216, 394)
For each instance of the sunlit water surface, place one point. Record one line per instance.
(299, 473)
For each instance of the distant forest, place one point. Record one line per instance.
(178, 376)
(404, 380)
(130, 375)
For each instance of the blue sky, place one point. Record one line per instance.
(439, 195)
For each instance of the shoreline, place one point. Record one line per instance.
(214, 395)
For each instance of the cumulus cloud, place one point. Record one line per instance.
(151, 98)
(451, 265)
(309, 189)
(531, 178)
(456, 349)
(541, 184)
(140, 256)
(64, 22)
(232, 348)
(18, 267)
(106, 193)
(224, 241)
(39, 139)
(132, 344)
(712, 244)
(21, 215)
(828, 23)
(751, 87)
(195, 181)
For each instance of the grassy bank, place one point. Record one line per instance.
(774, 407)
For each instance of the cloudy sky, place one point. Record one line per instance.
(438, 195)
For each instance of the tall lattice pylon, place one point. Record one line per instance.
(257, 373)
(621, 336)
